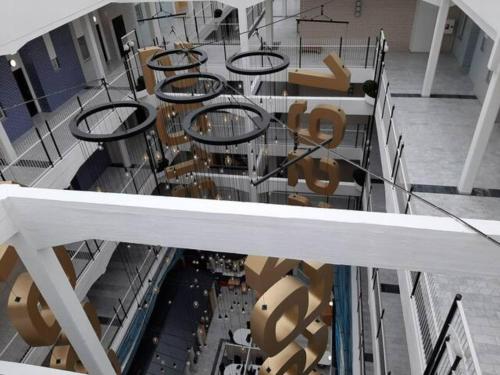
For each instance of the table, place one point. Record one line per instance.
(234, 369)
(240, 337)
(326, 360)
(237, 369)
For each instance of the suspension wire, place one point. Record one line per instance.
(273, 22)
(341, 157)
(394, 184)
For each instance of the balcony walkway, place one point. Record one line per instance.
(437, 132)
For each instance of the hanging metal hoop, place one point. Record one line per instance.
(155, 63)
(261, 123)
(184, 98)
(146, 115)
(285, 62)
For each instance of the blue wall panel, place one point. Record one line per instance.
(58, 85)
(18, 119)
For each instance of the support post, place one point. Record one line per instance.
(437, 41)
(484, 127)
(268, 21)
(155, 24)
(48, 275)
(6, 147)
(94, 49)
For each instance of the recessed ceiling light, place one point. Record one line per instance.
(13, 63)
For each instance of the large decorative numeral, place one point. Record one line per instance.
(313, 135)
(201, 160)
(311, 170)
(33, 319)
(202, 188)
(8, 260)
(166, 113)
(340, 79)
(286, 309)
(29, 312)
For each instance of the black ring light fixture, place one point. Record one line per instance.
(218, 88)
(262, 122)
(148, 120)
(155, 64)
(285, 62)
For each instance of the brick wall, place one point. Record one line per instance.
(44, 78)
(18, 119)
(394, 16)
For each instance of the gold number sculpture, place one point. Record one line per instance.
(287, 308)
(339, 79)
(33, 319)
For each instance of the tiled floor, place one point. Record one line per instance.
(437, 135)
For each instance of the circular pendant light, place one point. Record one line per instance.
(155, 61)
(145, 116)
(261, 123)
(230, 63)
(217, 88)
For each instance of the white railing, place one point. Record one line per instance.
(51, 147)
(424, 299)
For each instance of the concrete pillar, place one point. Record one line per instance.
(437, 41)
(124, 153)
(48, 275)
(268, 21)
(6, 147)
(243, 25)
(482, 134)
(244, 47)
(93, 48)
(155, 24)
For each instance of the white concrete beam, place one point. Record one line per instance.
(437, 41)
(435, 244)
(484, 127)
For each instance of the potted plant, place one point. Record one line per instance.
(140, 87)
(370, 88)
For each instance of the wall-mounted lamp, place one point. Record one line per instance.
(13, 63)
(94, 18)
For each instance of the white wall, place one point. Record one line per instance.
(423, 27)
(479, 67)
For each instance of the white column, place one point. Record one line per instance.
(93, 48)
(6, 145)
(268, 21)
(155, 24)
(437, 40)
(48, 275)
(243, 25)
(482, 134)
(244, 47)
(124, 153)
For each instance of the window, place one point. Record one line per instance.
(2, 113)
(483, 43)
(138, 11)
(84, 49)
(462, 27)
(488, 76)
(55, 63)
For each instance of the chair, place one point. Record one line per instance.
(249, 337)
(248, 324)
(231, 336)
(237, 359)
(259, 361)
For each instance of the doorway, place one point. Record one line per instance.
(101, 42)
(22, 83)
(120, 31)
